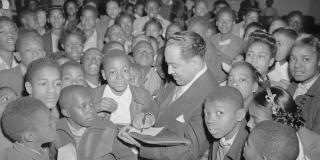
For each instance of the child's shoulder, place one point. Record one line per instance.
(20, 152)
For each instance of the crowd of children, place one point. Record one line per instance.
(73, 75)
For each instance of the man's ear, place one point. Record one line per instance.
(17, 55)
(271, 62)
(241, 113)
(28, 136)
(65, 113)
(28, 87)
(103, 74)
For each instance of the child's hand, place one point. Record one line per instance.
(106, 104)
(124, 135)
(143, 120)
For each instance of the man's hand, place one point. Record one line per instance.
(106, 104)
(124, 135)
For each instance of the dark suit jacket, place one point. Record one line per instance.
(184, 117)
(236, 149)
(310, 104)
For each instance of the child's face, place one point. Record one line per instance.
(153, 30)
(201, 9)
(71, 9)
(72, 75)
(56, 19)
(143, 54)
(92, 62)
(303, 63)
(117, 73)
(152, 9)
(240, 77)
(81, 110)
(295, 22)
(46, 86)
(139, 10)
(257, 115)
(8, 36)
(6, 96)
(284, 44)
(275, 25)
(251, 17)
(116, 34)
(31, 50)
(127, 25)
(250, 152)
(42, 18)
(172, 30)
(88, 20)
(221, 118)
(31, 21)
(259, 56)
(45, 129)
(225, 23)
(189, 4)
(73, 47)
(113, 9)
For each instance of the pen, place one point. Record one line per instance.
(143, 121)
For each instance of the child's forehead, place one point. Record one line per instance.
(143, 45)
(222, 103)
(55, 12)
(112, 4)
(115, 61)
(94, 52)
(152, 4)
(303, 50)
(225, 14)
(6, 24)
(6, 91)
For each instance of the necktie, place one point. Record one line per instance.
(223, 149)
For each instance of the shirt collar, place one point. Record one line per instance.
(77, 132)
(108, 93)
(310, 83)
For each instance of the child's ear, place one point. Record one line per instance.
(103, 74)
(241, 113)
(28, 136)
(255, 87)
(62, 46)
(271, 62)
(28, 87)
(65, 113)
(17, 55)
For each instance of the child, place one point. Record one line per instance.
(285, 39)
(295, 21)
(29, 20)
(143, 55)
(138, 10)
(200, 11)
(272, 141)
(227, 43)
(269, 11)
(28, 122)
(252, 15)
(172, 29)
(277, 23)
(125, 21)
(51, 38)
(70, 7)
(42, 20)
(244, 77)
(115, 33)
(7, 44)
(282, 108)
(94, 32)
(113, 10)
(81, 128)
(304, 68)
(153, 28)
(91, 62)
(7, 95)
(72, 73)
(122, 101)
(152, 8)
(224, 114)
(43, 82)
(112, 46)
(72, 41)
(260, 52)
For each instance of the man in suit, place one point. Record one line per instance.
(181, 106)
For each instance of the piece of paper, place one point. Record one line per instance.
(67, 152)
(152, 131)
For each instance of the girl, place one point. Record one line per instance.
(70, 7)
(244, 77)
(277, 104)
(73, 42)
(154, 28)
(113, 10)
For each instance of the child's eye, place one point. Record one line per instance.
(58, 83)
(292, 58)
(306, 59)
(42, 83)
(219, 113)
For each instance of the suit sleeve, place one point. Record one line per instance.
(194, 131)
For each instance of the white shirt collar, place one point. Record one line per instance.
(77, 132)
(309, 84)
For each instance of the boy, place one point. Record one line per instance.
(227, 43)
(304, 68)
(252, 15)
(143, 55)
(72, 73)
(82, 128)
(29, 20)
(152, 8)
(8, 38)
(29, 124)
(91, 62)
(121, 100)
(51, 38)
(273, 141)
(94, 32)
(285, 38)
(224, 116)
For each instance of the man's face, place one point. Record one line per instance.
(183, 71)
